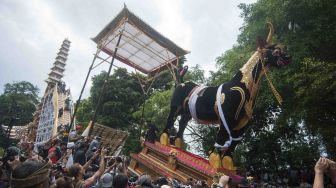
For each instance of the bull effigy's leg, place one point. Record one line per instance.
(231, 148)
(185, 118)
(223, 159)
(229, 110)
(171, 118)
(222, 136)
(226, 158)
(164, 138)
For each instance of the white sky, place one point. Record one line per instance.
(31, 32)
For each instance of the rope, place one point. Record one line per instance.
(225, 125)
(192, 102)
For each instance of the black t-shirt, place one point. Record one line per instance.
(79, 157)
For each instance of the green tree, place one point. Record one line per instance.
(122, 97)
(195, 74)
(84, 112)
(306, 120)
(307, 28)
(18, 101)
(156, 110)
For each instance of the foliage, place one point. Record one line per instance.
(121, 98)
(195, 74)
(17, 103)
(315, 90)
(84, 112)
(228, 64)
(306, 121)
(162, 82)
(157, 107)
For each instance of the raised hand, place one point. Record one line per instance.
(331, 172)
(103, 151)
(321, 165)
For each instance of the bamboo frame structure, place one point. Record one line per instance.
(131, 41)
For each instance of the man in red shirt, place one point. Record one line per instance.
(54, 153)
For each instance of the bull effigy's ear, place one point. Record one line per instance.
(261, 43)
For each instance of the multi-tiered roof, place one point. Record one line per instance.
(57, 70)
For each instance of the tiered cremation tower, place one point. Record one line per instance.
(53, 114)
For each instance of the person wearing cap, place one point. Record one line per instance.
(106, 181)
(12, 153)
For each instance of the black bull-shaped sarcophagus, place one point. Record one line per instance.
(229, 104)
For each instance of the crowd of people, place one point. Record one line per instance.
(83, 163)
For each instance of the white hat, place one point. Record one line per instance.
(165, 186)
(70, 144)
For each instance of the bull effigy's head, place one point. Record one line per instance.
(273, 54)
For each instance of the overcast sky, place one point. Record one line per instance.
(32, 31)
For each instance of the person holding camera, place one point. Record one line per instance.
(77, 171)
(118, 167)
(95, 143)
(107, 178)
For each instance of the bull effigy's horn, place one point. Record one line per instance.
(270, 34)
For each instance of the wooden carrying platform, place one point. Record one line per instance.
(158, 160)
(113, 139)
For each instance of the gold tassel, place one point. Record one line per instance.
(275, 92)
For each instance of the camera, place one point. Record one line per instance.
(119, 159)
(57, 166)
(94, 167)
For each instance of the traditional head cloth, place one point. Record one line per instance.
(35, 178)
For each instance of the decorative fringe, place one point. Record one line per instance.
(275, 92)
